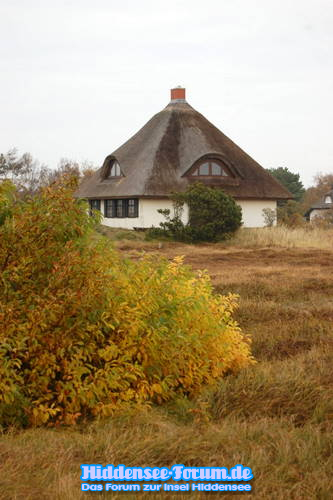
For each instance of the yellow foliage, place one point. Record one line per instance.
(85, 331)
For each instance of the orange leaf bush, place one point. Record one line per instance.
(85, 332)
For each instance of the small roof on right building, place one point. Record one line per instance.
(325, 203)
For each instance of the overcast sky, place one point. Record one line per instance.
(79, 77)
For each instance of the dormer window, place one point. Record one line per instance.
(114, 169)
(111, 169)
(328, 199)
(210, 168)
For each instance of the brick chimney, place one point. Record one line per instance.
(178, 94)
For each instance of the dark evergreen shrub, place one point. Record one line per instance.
(213, 216)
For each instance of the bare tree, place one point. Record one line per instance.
(24, 171)
(29, 175)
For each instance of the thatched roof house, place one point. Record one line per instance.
(319, 208)
(176, 147)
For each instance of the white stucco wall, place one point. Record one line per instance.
(252, 211)
(148, 215)
(317, 213)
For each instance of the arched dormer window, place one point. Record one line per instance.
(210, 168)
(114, 169)
(111, 169)
(328, 199)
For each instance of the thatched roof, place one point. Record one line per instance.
(155, 161)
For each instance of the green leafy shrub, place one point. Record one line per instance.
(7, 200)
(86, 332)
(213, 216)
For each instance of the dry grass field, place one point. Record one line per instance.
(276, 417)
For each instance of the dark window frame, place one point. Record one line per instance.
(111, 207)
(114, 166)
(120, 209)
(97, 206)
(210, 161)
(132, 208)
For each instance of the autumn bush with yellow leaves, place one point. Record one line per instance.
(86, 332)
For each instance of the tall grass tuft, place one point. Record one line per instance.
(282, 236)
